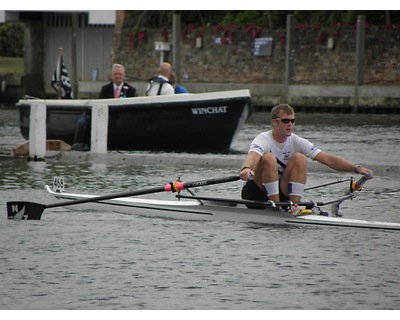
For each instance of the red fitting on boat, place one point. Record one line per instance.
(179, 186)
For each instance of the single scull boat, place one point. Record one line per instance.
(206, 208)
(194, 207)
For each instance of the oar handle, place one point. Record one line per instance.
(178, 186)
(357, 184)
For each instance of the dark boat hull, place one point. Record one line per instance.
(199, 122)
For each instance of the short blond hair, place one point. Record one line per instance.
(281, 107)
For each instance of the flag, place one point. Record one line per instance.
(66, 90)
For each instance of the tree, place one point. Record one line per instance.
(243, 18)
(12, 40)
(273, 19)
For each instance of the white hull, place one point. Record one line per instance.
(194, 210)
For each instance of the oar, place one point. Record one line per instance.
(328, 184)
(33, 211)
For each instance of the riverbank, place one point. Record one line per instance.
(335, 98)
(11, 75)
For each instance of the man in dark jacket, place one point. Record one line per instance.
(118, 88)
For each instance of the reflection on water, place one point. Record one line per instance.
(75, 259)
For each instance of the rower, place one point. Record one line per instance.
(276, 164)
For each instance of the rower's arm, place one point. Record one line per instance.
(340, 164)
(249, 165)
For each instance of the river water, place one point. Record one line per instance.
(77, 259)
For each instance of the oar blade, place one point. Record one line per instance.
(22, 210)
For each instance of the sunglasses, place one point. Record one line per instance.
(286, 120)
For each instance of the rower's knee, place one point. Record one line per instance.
(299, 160)
(268, 160)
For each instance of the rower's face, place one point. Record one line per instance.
(284, 124)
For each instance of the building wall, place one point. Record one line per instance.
(314, 62)
(321, 75)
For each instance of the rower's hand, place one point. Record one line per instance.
(367, 173)
(246, 174)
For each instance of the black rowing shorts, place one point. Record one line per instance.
(251, 191)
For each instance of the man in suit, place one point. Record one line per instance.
(118, 88)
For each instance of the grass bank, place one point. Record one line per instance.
(11, 65)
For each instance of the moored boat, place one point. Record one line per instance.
(202, 122)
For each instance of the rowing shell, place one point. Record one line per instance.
(207, 210)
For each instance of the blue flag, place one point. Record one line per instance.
(60, 76)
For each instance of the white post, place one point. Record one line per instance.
(99, 133)
(37, 131)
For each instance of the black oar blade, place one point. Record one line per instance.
(20, 210)
(33, 211)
